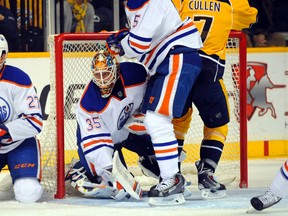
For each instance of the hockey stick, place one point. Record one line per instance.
(122, 176)
(227, 180)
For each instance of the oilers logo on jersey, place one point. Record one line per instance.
(124, 115)
(5, 110)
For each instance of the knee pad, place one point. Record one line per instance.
(182, 124)
(158, 123)
(218, 133)
(27, 190)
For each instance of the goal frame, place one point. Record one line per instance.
(243, 104)
(59, 39)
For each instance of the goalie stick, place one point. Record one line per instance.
(123, 178)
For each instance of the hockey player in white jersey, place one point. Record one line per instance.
(278, 190)
(20, 122)
(168, 48)
(112, 96)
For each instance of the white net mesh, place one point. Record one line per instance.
(229, 165)
(77, 57)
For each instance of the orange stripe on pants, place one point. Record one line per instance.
(164, 109)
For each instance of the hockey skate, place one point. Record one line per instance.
(264, 201)
(78, 180)
(150, 168)
(209, 187)
(168, 192)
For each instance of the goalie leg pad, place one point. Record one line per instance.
(27, 190)
(149, 166)
(122, 177)
(120, 193)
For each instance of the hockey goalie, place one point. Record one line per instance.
(113, 95)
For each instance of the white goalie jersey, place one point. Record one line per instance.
(101, 120)
(20, 109)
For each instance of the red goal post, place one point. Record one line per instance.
(242, 107)
(70, 60)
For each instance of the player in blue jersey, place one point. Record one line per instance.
(168, 48)
(113, 96)
(20, 122)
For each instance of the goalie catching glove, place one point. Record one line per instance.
(119, 184)
(113, 42)
(135, 124)
(79, 181)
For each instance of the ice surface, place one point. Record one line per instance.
(261, 173)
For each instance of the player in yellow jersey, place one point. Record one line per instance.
(214, 19)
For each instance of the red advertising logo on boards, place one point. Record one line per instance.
(258, 81)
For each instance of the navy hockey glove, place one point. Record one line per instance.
(113, 42)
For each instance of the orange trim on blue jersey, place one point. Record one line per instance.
(151, 99)
(1, 71)
(84, 92)
(110, 97)
(96, 111)
(135, 9)
(13, 83)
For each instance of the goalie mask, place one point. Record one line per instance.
(3, 49)
(105, 72)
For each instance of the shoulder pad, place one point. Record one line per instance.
(91, 100)
(134, 4)
(16, 75)
(133, 73)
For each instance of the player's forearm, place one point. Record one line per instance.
(24, 128)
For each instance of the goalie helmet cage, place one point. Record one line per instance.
(70, 60)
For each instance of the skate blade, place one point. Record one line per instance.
(172, 200)
(187, 193)
(210, 194)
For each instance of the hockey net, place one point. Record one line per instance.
(71, 56)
